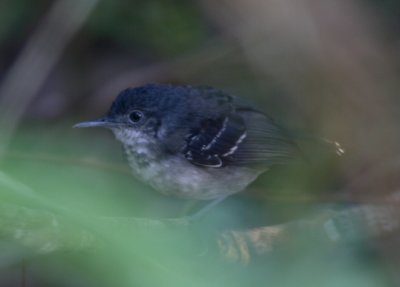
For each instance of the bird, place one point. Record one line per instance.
(195, 142)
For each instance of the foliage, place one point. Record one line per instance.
(156, 27)
(71, 214)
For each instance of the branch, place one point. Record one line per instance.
(352, 224)
(48, 229)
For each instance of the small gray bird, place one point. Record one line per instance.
(194, 142)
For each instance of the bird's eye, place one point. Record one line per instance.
(135, 116)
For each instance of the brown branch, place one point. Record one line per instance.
(349, 225)
(50, 228)
(45, 232)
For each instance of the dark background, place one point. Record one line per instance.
(325, 68)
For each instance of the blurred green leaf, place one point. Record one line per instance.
(15, 16)
(56, 185)
(158, 27)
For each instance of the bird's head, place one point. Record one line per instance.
(147, 113)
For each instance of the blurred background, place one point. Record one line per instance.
(328, 69)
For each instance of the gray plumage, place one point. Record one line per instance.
(195, 142)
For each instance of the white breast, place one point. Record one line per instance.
(175, 175)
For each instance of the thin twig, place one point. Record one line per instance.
(89, 162)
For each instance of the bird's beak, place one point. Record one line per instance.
(101, 122)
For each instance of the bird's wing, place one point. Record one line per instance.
(243, 137)
(265, 142)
